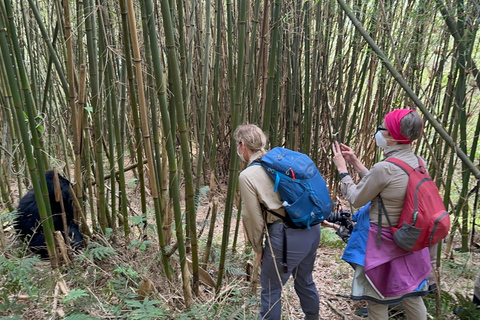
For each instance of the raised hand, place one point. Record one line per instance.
(348, 153)
(338, 158)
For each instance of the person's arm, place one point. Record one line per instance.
(253, 221)
(370, 186)
(357, 165)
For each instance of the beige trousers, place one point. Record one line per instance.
(414, 308)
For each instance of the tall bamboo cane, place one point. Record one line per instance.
(204, 107)
(172, 163)
(232, 179)
(75, 109)
(183, 52)
(184, 141)
(145, 130)
(43, 210)
(215, 104)
(97, 112)
(307, 107)
(133, 104)
(271, 67)
(153, 105)
(254, 113)
(460, 104)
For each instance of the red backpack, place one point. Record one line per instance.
(423, 220)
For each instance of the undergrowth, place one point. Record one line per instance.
(104, 280)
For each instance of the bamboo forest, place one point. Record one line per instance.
(128, 108)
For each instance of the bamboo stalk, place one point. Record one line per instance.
(204, 107)
(97, 113)
(43, 210)
(172, 164)
(145, 130)
(184, 140)
(232, 179)
(133, 105)
(271, 68)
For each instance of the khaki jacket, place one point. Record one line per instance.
(383, 178)
(256, 187)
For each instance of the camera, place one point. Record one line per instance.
(343, 218)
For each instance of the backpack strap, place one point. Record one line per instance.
(257, 162)
(265, 209)
(405, 167)
(284, 255)
(381, 209)
(284, 219)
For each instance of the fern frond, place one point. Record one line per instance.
(202, 193)
(234, 271)
(100, 253)
(75, 294)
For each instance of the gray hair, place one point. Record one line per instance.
(411, 126)
(252, 136)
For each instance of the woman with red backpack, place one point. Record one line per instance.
(390, 274)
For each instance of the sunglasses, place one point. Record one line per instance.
(380, 128)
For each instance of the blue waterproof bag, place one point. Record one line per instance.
(300, 184)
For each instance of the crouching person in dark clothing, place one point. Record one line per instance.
(257, 191)
(28, 223)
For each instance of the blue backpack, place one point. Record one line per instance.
(300, 184)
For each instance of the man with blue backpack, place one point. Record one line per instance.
(273, 205)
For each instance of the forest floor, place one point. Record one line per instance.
(333, 278)
(104, 281)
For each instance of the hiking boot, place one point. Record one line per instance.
(312, 316)
(362, 312)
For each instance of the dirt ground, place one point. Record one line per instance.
(333, 277)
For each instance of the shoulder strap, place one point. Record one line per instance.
(257, 162)
(405, 167)
(401, 164)
(265, 209)
(284, 255)
(381, 208)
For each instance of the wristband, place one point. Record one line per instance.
(343, 175)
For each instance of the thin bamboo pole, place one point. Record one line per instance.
(172, 163)
(215, 97)
(133, 104)
(204, 107)
(145, 130)
(43, 210)
(184, 140)
(97, 113)
(271, 68)
(232, 179)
